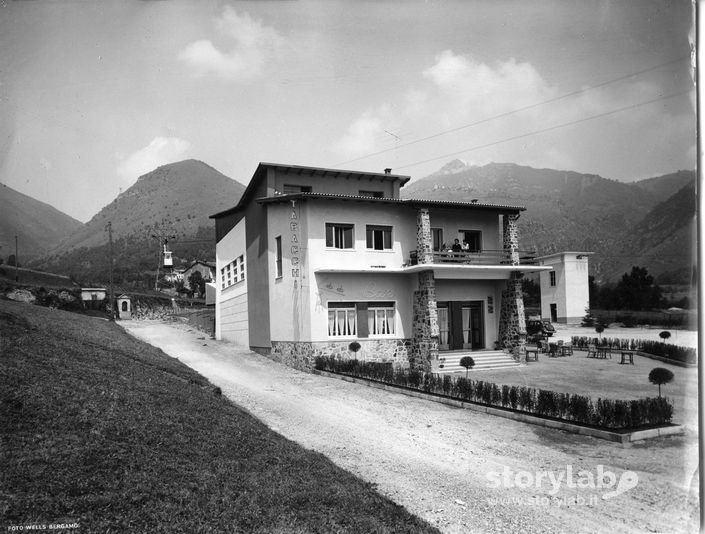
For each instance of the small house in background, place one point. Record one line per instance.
(124, 307)
(176, 275)
(565, 293)
(93, 297)
(207, 270)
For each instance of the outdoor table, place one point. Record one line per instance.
(603, 352)
(627, 357)
(534, 351)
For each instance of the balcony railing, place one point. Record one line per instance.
(485, 257)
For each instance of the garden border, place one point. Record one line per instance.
(618, 437)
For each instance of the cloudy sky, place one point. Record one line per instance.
(94, 94)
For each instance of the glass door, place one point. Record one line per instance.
(443, 328)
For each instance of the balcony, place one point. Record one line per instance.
(485, 257)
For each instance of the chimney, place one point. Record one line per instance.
(388, 171)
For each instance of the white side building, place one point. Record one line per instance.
(565, 294)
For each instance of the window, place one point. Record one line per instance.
(241, 261)
(373, 194)
(379, 237)
(552, 276)
(280, 271)
(288, 189)
(233, 272)
(380, 318)
(437, 234)
(361, 319)
(342, 319)
(339, 235)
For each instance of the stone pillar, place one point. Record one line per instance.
(424, 347)
(512, 321)
(510, 237)
(424, 239)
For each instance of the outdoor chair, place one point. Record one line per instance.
(592, 351)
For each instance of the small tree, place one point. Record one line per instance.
(468, 363)
(196, 283)
(599, 329)
(664, 335)
(589, 319)
(660, 375)
(354, 347)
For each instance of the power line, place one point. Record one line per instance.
(518, 110)
(544, 130)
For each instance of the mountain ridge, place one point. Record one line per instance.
(167, 199)
(38, 225)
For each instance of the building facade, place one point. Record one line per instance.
(318, 261)
(565, 291)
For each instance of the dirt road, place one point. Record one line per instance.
(462, 471)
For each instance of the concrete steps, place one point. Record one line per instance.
(486, 359)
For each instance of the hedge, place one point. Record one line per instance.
(657, 348)
(605, 413)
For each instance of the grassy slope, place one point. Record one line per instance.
(101, 429)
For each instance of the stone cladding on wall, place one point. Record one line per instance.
(510, 236)
(424, 239)
(512, 322)
(424, 328)
(302, 355)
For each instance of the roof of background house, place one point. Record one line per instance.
(206, 263)
(260, 174)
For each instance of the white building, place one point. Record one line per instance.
(565, 294)
(312, 261)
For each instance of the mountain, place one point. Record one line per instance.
(174, 200)
(664, 240)
(38, 226)
(565, 210)
(664, 186)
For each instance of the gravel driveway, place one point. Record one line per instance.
(460, 470)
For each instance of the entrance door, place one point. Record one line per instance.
(461, 325)
(554, 313)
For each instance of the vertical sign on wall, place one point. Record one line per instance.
(294, 228)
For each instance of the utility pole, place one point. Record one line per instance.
(112, 294)
(17, 261)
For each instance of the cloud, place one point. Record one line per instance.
(160, 151)
(248, 44)
(454, 91)
(362, 134)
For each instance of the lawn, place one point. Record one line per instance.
(105, 431)
(607, 379)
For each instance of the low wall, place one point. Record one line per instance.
(302, 354)
(203, 320)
